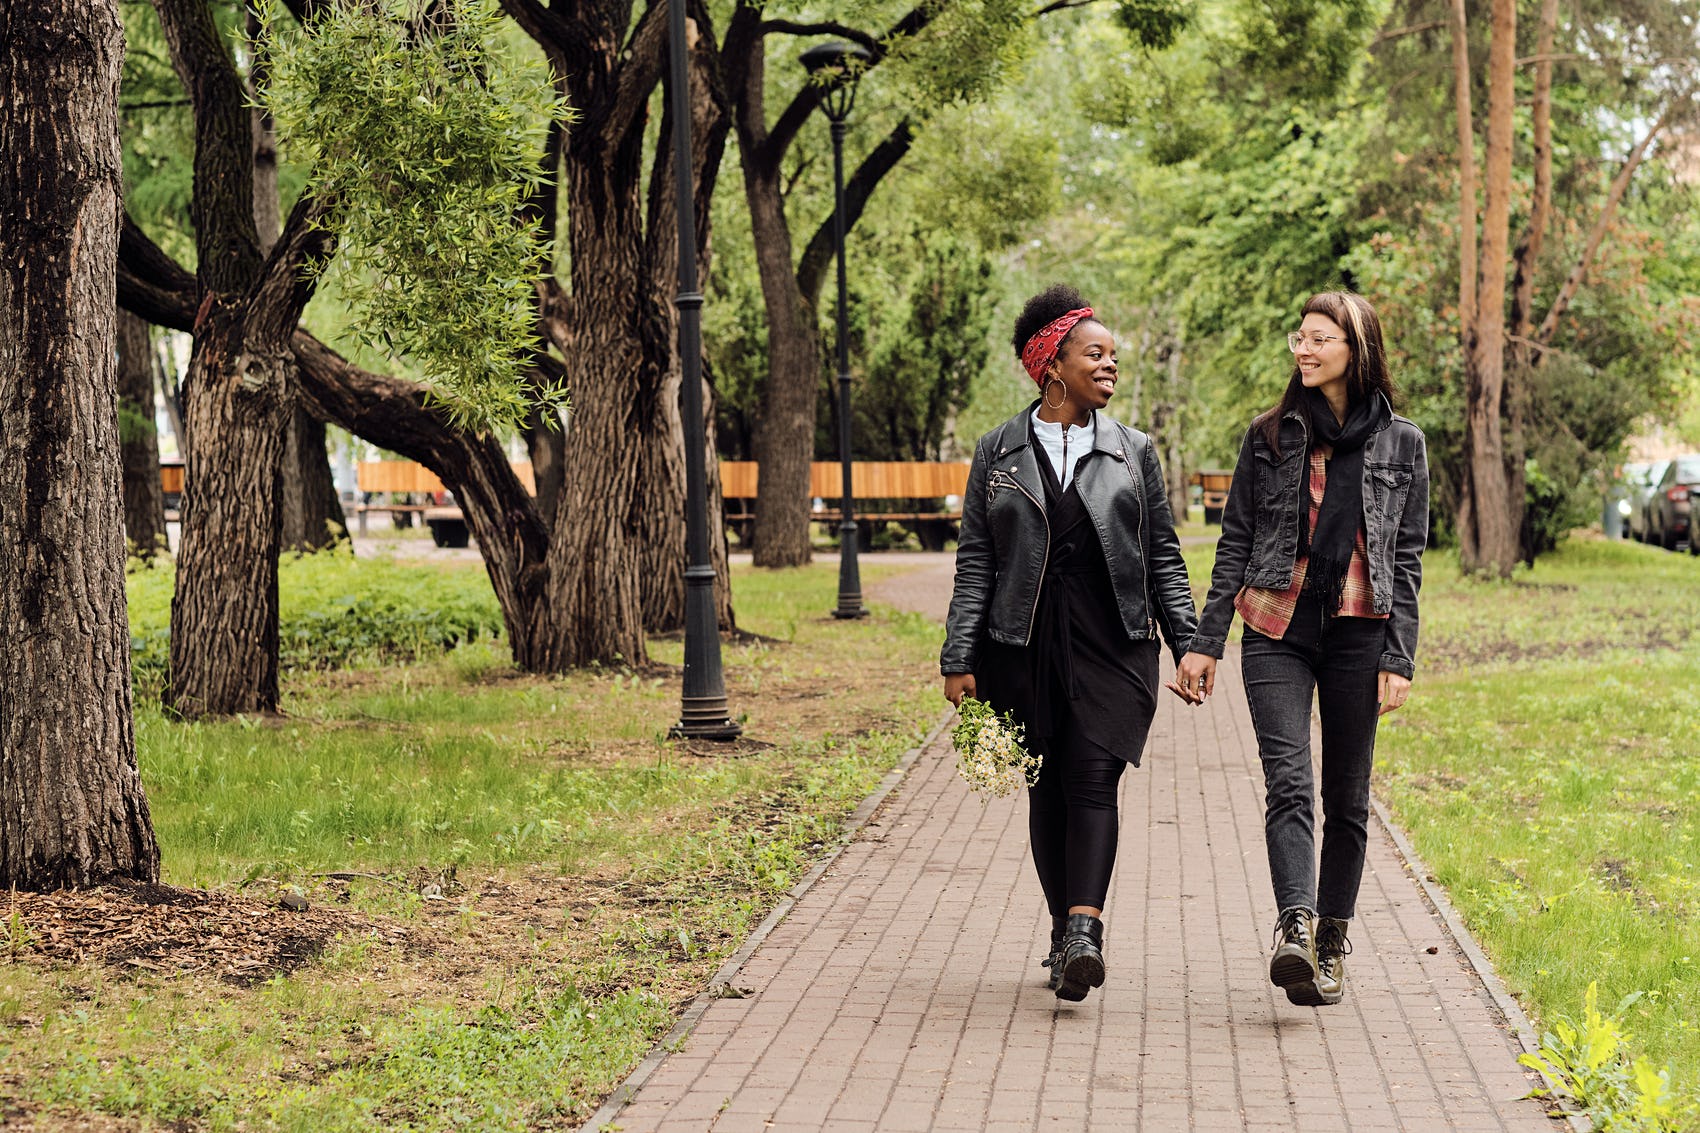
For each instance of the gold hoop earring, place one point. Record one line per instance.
(1047, 394)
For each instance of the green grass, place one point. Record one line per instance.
(405, 767)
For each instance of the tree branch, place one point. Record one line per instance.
(1412, 29)
(825, 27)
(150, 283)
(811, 270)
(222, 205)
(1619, 185)
(288, 281)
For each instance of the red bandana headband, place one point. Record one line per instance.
(1041, 349)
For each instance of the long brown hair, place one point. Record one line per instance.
(1366, 373)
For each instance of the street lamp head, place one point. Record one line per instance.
(836, 67)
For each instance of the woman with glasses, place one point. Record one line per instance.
(1321, 555)
(1066, 568)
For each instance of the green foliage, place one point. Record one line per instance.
(422, 134)
(1154, 23)
(926, 310)
(1589, 1064)
(334, 610)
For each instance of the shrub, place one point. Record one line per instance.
(334, 610)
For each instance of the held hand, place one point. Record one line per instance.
(957, 686)
(1391, 691)
(1195, 678)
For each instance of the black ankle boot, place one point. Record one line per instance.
(1059, 925)
(1082, 957)
(1332, 948)
(1293, 966)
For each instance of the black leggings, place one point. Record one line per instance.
(1072, 820)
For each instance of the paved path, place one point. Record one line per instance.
(903, 992)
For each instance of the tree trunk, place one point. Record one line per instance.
(144, 495)
(596, 608)
(312, 517)
(238, 394)
(546, 441)
(785, 421)
(72, 808)
(224, 634)
(1489, 543)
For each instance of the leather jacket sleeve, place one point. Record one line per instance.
(976, 572)
(1401, 648)
(1171, 591)
(1233, 551)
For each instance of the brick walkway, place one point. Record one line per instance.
(902, 991)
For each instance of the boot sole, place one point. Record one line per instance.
(1080, 976)
(1293, 973)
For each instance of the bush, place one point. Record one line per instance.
(334, 610)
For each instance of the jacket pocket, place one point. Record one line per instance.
(1392, 484)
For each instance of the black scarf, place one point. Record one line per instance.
(1341, 515)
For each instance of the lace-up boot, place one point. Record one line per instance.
(1059, 926)
(1082, 957)
(1293, 967)
(1332, 948)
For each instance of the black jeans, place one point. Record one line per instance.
(1338, 662)
(1072, 820)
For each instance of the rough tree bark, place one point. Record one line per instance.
(1488, 541)
(72, 808)
(238, 394)
(144, 495)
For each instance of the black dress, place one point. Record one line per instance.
(1080, 675)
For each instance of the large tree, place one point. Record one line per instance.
(72, 809)
(238, 395)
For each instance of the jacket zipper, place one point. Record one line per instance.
(1139, 542)
(1033, 614)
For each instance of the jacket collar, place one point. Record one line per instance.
(1012, 435)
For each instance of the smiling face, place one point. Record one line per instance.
(1323, 367)
(1087, 367)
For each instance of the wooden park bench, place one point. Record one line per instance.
(409, 480)
(922, 496)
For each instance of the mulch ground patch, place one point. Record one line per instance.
(162, 929)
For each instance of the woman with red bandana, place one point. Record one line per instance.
(1066, 569)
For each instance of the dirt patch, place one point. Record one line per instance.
(162, 929)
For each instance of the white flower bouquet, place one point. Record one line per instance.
(989, 755)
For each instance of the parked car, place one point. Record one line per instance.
(1640, 495)
(1620, 498)
(1667, 506)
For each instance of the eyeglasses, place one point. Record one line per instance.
(1296, 339)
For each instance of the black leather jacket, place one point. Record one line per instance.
(1006, 535)
(1260, 530)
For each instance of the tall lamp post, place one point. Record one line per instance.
(838, 66)
(702, 705)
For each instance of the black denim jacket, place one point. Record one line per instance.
(1006, 535)
(1260, 530)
